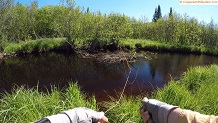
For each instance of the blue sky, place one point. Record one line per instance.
(139, 8)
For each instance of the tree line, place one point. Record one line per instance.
(27, 22)
(178, 29)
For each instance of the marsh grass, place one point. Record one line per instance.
(27, 105)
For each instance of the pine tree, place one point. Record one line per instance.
(171, 12)
(87, 10)
(157, 14)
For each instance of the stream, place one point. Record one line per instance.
(98, 78)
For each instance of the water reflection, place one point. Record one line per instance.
(99, 78)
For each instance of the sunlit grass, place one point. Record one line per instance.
(144, 44)
(196, 90)
(12, 48)
(48, 44)
(125, 110)
(133, 42)
(26, 105)
(41, 45)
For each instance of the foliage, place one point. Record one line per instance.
(97, 30)
(181, 31)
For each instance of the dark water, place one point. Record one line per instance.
(96, 78)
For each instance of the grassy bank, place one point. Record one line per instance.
(50, 44)
(41, 45)
(143, 44)
(196, 90)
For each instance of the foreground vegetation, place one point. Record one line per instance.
(196, 90)
(26, 105)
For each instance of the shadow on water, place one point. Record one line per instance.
(101, 79)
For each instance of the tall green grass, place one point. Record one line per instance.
(41, 45)
(26, 105)
(196, 90)
(144, 44)
(125, 110)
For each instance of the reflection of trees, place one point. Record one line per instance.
(175, 64)
(153, 69)
(162, 66)
(49, 68)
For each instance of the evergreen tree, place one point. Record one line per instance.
(87, 10)
(171, 12)
(157, 14)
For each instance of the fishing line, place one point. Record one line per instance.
(126, 82)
